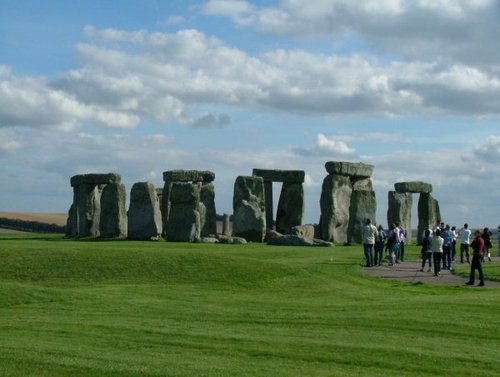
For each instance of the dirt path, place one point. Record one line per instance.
(409, 271)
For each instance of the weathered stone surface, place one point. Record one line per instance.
(207, 240)
(113, 222)
(306, 231)
(268, 196)
(249, 218)
(184, 217)
(95, 179)
(72, 222)
(86, 210)
(188, 176)
(208, 215)
(144, 217)
(399, 209)
(290, 207)
(231, 240)
(290, 240)
(362, 184)
(334, 204)
(270, 233)
(321, 243)
(413, 187)
(274, 175)
(363, 206)
(350, 169)
(227, 226)
(428, 214)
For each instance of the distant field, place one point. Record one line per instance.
(49, 218)
(129, 308)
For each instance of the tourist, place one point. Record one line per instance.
(487, 242)
(369, 233)
(393, 243)
(402, 240)
(426, 250)
(454, 243)
(447, 247)
(379, 246)
(437, 251)
(477, 259)
(465, 234)
(399, 234)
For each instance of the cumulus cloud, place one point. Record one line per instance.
(418, 29)
(328, 147)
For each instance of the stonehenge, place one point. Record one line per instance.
(347, 199)
(400, 203)
(183, 210)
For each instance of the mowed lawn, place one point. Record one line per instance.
(123, 308)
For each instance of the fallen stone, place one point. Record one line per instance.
(290, 240)
(306, 231)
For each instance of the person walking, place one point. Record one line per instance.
(393, 243)
(437, 251)
(426, 251)
(454, 243)
(369, 236)
(379, 246)
(477, 259)
(487, 243)
(465, 234)
(447, 247)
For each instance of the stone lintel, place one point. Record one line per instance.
(274, 175)
(188, 176)
(95, 179)
(351, 169)
(413, 187)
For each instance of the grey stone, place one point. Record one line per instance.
(144, 217)
(86, 210)
(334, 204)
(399, 209)
(428, 214)
(184, 217)
(290, 240)
(249, 218)
(350, 169)
(113, 221)
(362, 184)
(239, 241)
(268, 195)
(188, 176)
(321, 243)
(208, 215)
(307, 231)
(95, 179)
(274, 175)
(413, 187)
(207, 240)
(227, 226)
(363, 206)
(290, 207)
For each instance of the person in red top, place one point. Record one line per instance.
(477, 259)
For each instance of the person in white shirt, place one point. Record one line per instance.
(437, 251)
(370, 234)
(464, 242)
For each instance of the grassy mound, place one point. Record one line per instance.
(164, 309)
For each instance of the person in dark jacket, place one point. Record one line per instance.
(477, 259)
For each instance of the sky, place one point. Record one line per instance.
(139, 87)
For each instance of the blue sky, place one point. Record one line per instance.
(141, 87)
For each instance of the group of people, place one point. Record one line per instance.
(376, 240)
(438, 247)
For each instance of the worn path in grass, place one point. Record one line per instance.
(409, 271)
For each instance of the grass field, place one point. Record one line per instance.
(123, 308)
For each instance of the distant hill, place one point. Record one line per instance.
(34, 222)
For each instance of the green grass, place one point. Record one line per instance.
(169, 309)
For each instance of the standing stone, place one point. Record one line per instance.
(363, 206)
(113, 221)
(85, 211)
(399, 209)
(144, 217)
(184, 218)
(227, 226)
(290, 207)
(428, 214)
(334, 203)
(208, 220)
(249, 214)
